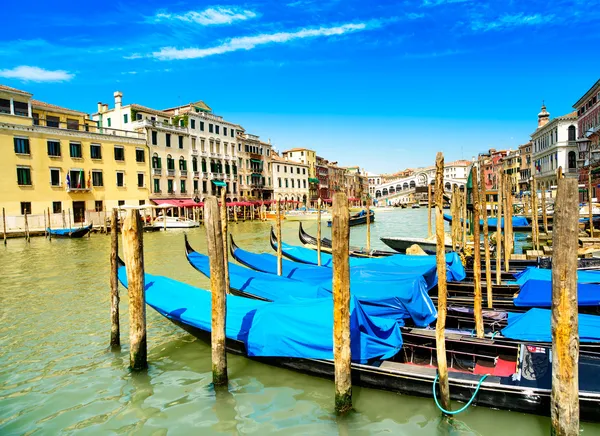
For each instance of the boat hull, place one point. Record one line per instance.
(401, 244)
(70, 233)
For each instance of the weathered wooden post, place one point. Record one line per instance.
(26, 228)
(477, 257)
(464, 218)
(499, 232)
(340, 239)
(132, 230)
(115, 329)
(63, 219)
(4, 225)
(70, 227)
(368, 225)
(565, 337)
(544, 212)
(224, 231)
(105, 219)
(509, 216)
(506, 225)
(278, 228)
(214, 239)
(45, 225)
(429, 231)
(319, 231)
(440, 336)
(486, 240)
(49, 226)
(590, 198)
(535, 228)
(235, 217)
(165, 219)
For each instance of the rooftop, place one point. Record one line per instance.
(10, 89)
(590, 92)
(43, 104)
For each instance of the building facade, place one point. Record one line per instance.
(554, 146)
(59, 159)
(308, 157)
(511, 166)
(290, 179)
(524, 166)
(255, 157)
(323, 176)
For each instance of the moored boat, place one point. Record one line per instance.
(358, 218)
(73, 232)
(175, 222)
(401, 244)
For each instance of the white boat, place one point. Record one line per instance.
(310, 215)
(416, 206)
(384, 208)
(584, 210)
(175, 223)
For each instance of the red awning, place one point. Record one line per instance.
(327, 200)
(177, 202)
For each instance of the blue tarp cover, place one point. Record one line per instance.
(535, 325)
(517, 221)
(534, 273)
(538, 293)
(66, 232)
(302, 330)
(397, 300)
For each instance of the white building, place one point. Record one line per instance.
(290, 179)
(554, 145)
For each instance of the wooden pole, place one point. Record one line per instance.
(63, 219)
(509, 216)
(235, 217)
(464, 218)
(506, 225)
(319, 232)
(486, 240)
(214, 239)
(4, 225)
(26, 228)
(133, 250)
(70, 227)
(454, 218)
(278, 228)
(441, 271)
(499, 232)
(565, 338)
(429, 231)
(368, 225)
(45, 225)
(340, 238)
(49, 226)
(115, 335)
(544, 212)
(224, 230)
(534, 216)
(590, 208)
(105, 218)
(477, 257)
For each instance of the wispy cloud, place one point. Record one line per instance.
(250, 42)
(217, 15)
(35, 74)
(442, 2)
(516, 20)
(433, 54)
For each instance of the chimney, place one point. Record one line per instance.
(118, 98)
(105, 108)
(99, 107)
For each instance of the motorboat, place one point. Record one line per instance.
(175, 222)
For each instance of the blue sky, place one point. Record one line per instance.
(383, 85)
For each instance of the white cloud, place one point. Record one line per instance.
(36, 74)
(212, 16)
(250, 42)
(442, 2)
(511, 21)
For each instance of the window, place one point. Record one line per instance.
(279, 181)
(202, 126)
(108, 122)
(224, 130)
(183, 189)
(156, 185)
(97, 179)
(119, 153)
(278, 168)
(140, 180)
(297, 170)
(120, 179)
(54, 177)
(303, 170)
(21, 145)
(168, 139)
(98, 206)
(195, 186)
(96, 151)
(170, 162)
(572, 133)
(203, 165)
(180, 141)
(304, 183)
(572, 160)
(125, 118)
(232, 131)
(24, 176)
(154, 138)
(170, 186)
(142, 202)
(217, 129)
(72, 124)
(76, 179)
(156, 161)
(210, 128)
(193, 124)
(292, 183)
(138, 116)
(75, 150)
(121, 202)
(25, 208)
(36, 118)
(286, 183)
(194, 164)
(182, 164)
(53, 148)
(140, 155)
(52, 121)
(56, 207)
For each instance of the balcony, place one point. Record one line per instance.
(204, 175)
(75, 190)
(142, 124)
(171, 173)
(204, 153)
(156, 171)
(195, 152)
(196, 174)
(183, 173)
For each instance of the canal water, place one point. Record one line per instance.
(57, 375)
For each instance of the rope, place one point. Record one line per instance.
(462, 409)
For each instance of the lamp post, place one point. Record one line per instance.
(584, 146)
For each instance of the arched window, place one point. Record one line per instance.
(377, 193)
(392, 190)
(405, 186)
(219, 166)
(385, 192)
(203, 165)
(182, 164)
(448, 186)
(226, 167)
(572, 160)
(213, 166)
(412, 184)
(194, 164)
(572, 133)
(234, 170)
(156, 161)
(398, 187)
(170, 162)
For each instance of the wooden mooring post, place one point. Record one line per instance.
(440, 327)
(509, 216)
(453, 224)
(499, 231)
(368, 224)
(590, 198)
(115, 329)
(535, 228)
(26, 228)
(64, 219)
(214, 239)
(477, 257)
(49, 226)
(4, 225)
(565, 337)
(544, 212)
(319, 231)
(105, 219)
(429, 231)
(132, 231)
(486, 239)
(45, 225)
(70, 227)
(224, 231)
(464, 218)
(340, 238)
(278, 232)
(506, 224)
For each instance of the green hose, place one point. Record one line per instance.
(462, 409)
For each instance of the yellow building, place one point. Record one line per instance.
(511, 164)
(307, 157)
(58, 159)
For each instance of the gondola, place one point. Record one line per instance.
(310, 241)
(520, 223)
(401, 244)
(77, 232)
(358, 218)
(515, 382)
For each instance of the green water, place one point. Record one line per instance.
(57, 375)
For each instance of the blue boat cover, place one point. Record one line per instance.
(397, 300)
(538, 293)
(535, 325)
(517, 221)
(302, 330)
(66, 232)
(534, 273)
